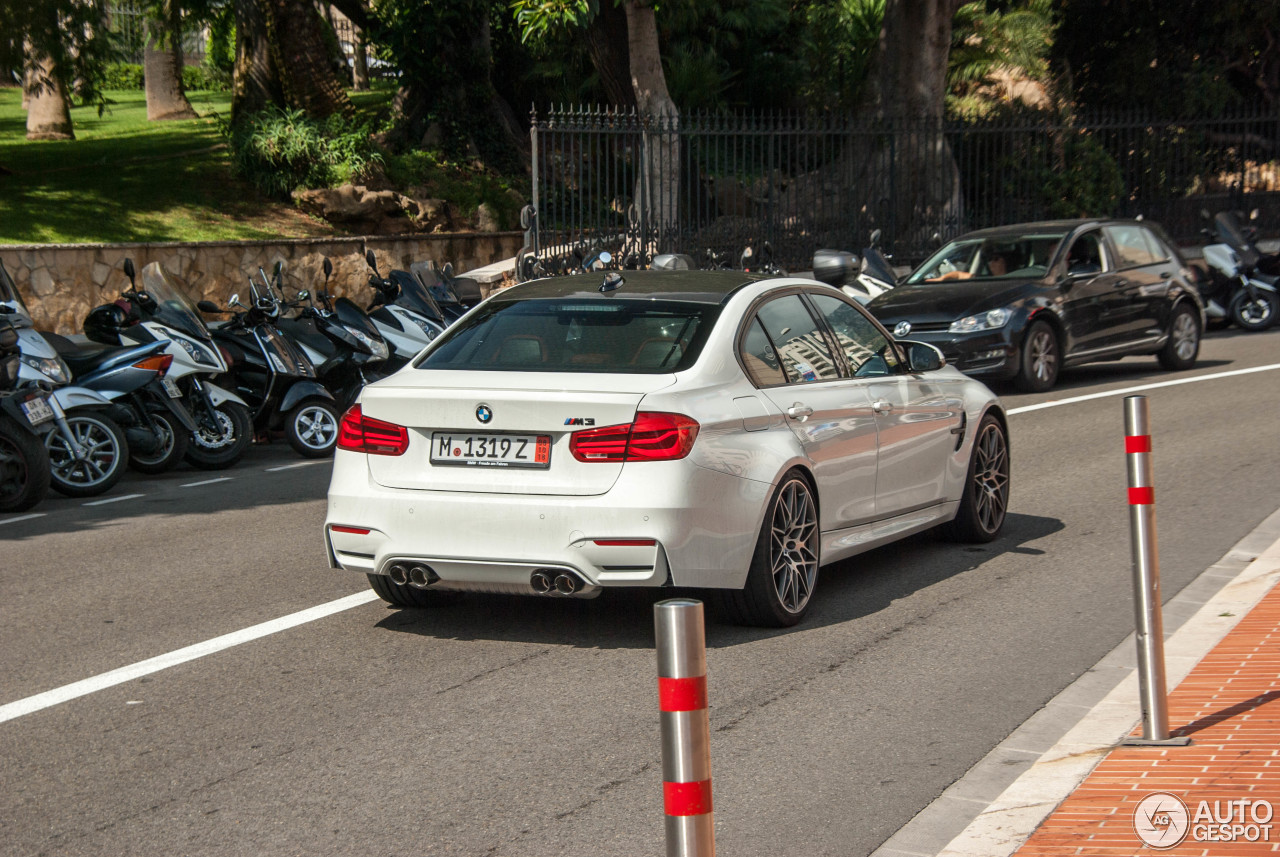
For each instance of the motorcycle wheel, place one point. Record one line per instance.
(312, 428)
(24, 468)
(174, 441)
(1257, 314)
(107, 455)
(218, 449)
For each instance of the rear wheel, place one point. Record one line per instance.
(312, 428)
(1041, 357)
(222, 437)
(784, 568)
(174, 440)
(24, 468)
(403, 595)
(1184, 340)
(91, 465)
(1257, 313)
(986, 488)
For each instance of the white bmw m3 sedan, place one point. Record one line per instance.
(712, 429)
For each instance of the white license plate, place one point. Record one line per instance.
(37, 410)
(171, 387)
(491, 450)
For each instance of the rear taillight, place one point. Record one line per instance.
(652, 437)
(159, 363)
(359, 433)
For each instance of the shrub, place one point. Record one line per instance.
(196, 77)
(280, 151)
(122, 75)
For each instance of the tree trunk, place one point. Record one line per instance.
(657, 194)
(607, 47)
(307, 78)
(255, 83)
(162, 70)
(909, 72)
(48, 111)
(360, 62)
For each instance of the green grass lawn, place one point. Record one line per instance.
(126, 179)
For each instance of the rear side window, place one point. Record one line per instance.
(1134, 246)
(802, 348)
(564, 335)
(760, 358)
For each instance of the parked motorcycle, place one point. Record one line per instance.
(162, 311)
(24, 462)
(405, 313)
(861, 279)
(339, 338)
(274, 376)
(1235, 288)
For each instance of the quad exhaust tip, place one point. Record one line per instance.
(421, 576)
(542, 582)
(566, 584)
(398, 574)
(551, 581)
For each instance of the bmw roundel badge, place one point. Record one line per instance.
(902, 328)
(484, 413)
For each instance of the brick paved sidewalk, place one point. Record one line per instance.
(1230, 707)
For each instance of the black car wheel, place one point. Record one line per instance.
(1040, 359)
(784, 568)
(1183, 347)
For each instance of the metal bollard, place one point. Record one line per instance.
(686, 727)
(1147, 605)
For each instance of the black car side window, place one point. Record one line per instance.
(1132, 245)
(1086, 256)
(865, 348)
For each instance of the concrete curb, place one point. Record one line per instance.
(997, 805)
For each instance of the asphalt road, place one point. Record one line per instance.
(529, 727)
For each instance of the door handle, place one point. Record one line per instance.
(882, 406)
(799, 412)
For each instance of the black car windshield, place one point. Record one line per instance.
(1001, 257)
(173, 306)
(567, 335)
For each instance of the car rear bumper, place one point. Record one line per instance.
(661, 523)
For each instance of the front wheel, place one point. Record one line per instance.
(1040, 359)
(312, 428)
(174, 441)
(24, 467)
(92, 461)
(1184, 340)
(1257, 313)
(986, 487)
(223, 436)
(784, 568)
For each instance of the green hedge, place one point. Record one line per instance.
(194, 77)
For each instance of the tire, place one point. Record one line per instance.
(1183, 347)
(1254, 315)
(985, 502)
(108, 454)
(312, 428)
(784, 567)
(24, 468)
(408, 596)
(210, 451)
(1040, 359)
(173, 445)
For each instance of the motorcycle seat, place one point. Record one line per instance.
(82, 358)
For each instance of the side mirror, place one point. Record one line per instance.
(209, 306)
(130, 272)
(328, 268)
(371, 259)
(235, 301)
(304, 295)
(923, 357)
(277, 271)
(875, 237)
(447, 270)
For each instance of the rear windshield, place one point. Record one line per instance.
(565, 335)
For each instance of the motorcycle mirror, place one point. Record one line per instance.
(129, 270)
(328, 268)
(936, 238)
(875, 237)
(1205, 215)
(208, 306)
(234, 300)
(1253, 215)
(605, 257)
(277, 272)
(372, 260)
(447, 270)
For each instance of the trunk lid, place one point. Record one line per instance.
(553, 405)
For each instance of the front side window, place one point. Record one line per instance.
(799, 341)
(567, 335)
(1086, 256)
(865, 348)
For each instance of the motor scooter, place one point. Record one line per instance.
(1235, 288)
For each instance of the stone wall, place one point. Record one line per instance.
(62, 282)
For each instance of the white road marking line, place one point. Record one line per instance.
(299, 464)
(1128, 390)
(23, 518)
(105, 680)
(112, 500)
(207, 482)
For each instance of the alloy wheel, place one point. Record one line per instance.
(991, 478)
(101, 454)
(793, 546)
(1186, 336)
(1256, 311)
(316, 427)
(1043, 354)
(224, 435)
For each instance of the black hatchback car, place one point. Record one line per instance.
(1021, 302)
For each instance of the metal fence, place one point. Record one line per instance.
(128, 22)
(700, 183)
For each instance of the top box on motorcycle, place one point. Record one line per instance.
(835, 267)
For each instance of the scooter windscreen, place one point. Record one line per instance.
(174, 307)
(1230, 231)
(416, 296)
(437, 286)
(19, 316)
(350, 315)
